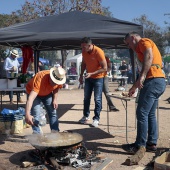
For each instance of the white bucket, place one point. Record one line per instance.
(12, 83)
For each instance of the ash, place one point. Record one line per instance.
(77, 157)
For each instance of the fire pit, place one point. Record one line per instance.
(60, 149)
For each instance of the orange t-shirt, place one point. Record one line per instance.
(93, 60)
(154, 71)
(40, 84)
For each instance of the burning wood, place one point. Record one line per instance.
(76, 156)
(61, 149)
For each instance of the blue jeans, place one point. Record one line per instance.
(90, 85)
(11, 95)
(52, 113)
(146, 109)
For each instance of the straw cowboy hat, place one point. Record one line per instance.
(58, 75)
(15, 53)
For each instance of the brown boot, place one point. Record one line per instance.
(20, 100)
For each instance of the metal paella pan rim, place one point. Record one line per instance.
(58, 139)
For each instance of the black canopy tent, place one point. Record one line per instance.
(64, 31)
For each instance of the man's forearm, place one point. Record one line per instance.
(100, 71)
(82, 70)
(28, 107)
(55, 94)
(146, 64)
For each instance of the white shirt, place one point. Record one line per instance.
(9, 64)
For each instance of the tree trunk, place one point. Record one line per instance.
(64, 57)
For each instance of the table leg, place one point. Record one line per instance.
(108, 118)
(126, 109)
(17, 99)
(1, 100)
(126, 85)
(126, 124)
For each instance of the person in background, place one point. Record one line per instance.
(40, 66)
(129, 74)
(123, 70)
(106, 87)
(72, 71)
(94, 62)
(151, 83)
(114, 69)
(11, 66)
(43, 88)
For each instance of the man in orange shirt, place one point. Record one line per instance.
(43, 87)
(151, 83)
(94, 63)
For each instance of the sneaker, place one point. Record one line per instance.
(84, 120)
(130, 148)
(151, 148)
(95, 123)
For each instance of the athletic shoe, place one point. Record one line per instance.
(95, 123)
(84, 120)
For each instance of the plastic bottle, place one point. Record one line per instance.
(42, 118)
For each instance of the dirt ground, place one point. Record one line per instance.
(13, 151)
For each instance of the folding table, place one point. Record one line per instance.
(17, 89)
(124, 101)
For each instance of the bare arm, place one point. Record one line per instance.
(103, 65)
(148, 58)
(31, 98)
(83, 67)
(55, 95)
(147, 62)
(109, 67)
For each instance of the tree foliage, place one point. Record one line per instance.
(152, 31)
(3, 23)
(40, 8)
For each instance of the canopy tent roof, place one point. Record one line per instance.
(75, 58)
(64, 31)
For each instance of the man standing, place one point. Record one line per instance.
(151, 82)
(11, 66)
(123, 70)
(112, 107)
(43, 87)
(94, 63)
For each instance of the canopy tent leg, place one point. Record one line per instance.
(133, 62)
(36, 60)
